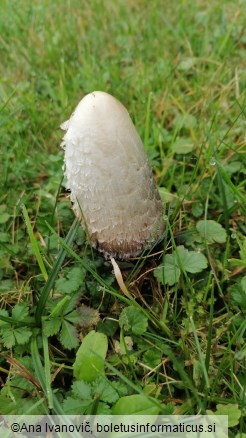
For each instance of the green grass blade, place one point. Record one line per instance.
(210, 328)
(58, 307)
(34, 243)
(201, 358)
(147, 123)
(54, 273)
(13, 321)
(38, 367)
(40, 373)
(47, 371)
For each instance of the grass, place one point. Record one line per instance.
(179, 69)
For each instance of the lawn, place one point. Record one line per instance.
(166, 331)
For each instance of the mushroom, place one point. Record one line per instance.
(113, 191)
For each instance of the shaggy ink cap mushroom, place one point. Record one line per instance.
(110, 179)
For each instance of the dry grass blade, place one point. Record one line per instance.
(119, 278)
(23, 371)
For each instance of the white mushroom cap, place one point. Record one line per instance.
(110, 178)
